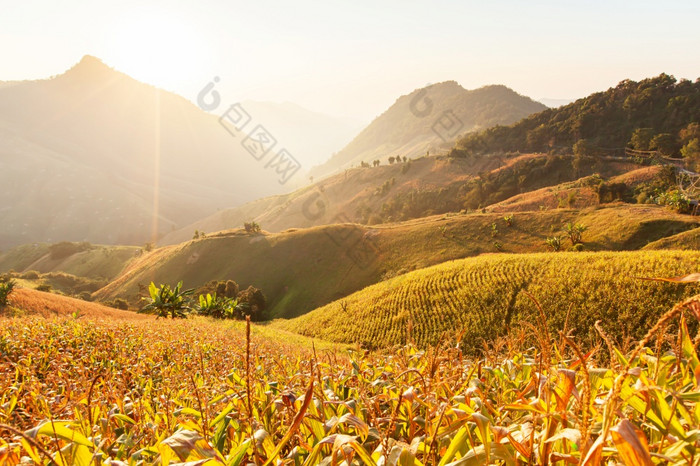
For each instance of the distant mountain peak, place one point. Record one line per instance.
(90, 67)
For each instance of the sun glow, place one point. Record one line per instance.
(157, 47)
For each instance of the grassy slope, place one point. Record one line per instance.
(341, 195)
(25, 302)
(689, 240)
(300, 270)
(100, 262)
(483, 297)
(581, 192)
(344, 197)
(31, 302)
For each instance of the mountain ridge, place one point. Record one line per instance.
(428, 120)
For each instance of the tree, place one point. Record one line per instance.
(167, 302)
(392, 159)
(641, 138)
(690, 132)
(691, 153)
(582, 148)
(664, 143)
(230, 289)
(252, 301)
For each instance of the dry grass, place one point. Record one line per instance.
(48, 305)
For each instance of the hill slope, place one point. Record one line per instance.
(31, 302)
(79, 259)
(287, 266)
(402, 191)
(484, 298)
(428, 118)
(82, 152)
(605, 120)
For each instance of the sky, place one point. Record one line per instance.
(355, 58)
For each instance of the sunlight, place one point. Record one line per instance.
(156, 47)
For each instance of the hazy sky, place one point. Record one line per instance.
(354, 58)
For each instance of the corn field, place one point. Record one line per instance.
(480, 299)
(83, 392)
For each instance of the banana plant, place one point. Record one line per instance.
(165, 301)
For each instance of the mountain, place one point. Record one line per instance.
(94, 155)
(310, 136)
(430, 119)
(605, 122)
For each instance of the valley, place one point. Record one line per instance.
(251, 235)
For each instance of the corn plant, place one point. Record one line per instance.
(201, 393)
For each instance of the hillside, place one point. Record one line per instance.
(79, 259)
(605, 120)
(483, 298)
(417, 123)
(82, 152)
(402, 191)
(287, 265)
(340, 198)
(25, 302)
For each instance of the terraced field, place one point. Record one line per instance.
(484, 298)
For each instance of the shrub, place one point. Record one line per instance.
(120, 303)
(6, 289)
(578, 247)
(251, 227)
(30, 275)
(554, 243)
(509, 219)
(44, 287)
(676, 200)
(609, 192)
(575, 232)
